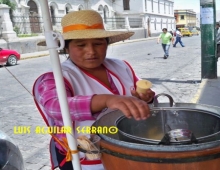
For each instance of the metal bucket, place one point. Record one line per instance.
(132, 153)
(178, 126)
(174, 125)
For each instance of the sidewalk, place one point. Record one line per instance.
(209, 91)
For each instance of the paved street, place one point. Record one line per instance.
(179, 76)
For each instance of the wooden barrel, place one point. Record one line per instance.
(121, 158)
(119, 154)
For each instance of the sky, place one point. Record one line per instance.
(192, 4)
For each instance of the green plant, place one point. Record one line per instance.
(16, 29)
(12, 5)
(27, 35)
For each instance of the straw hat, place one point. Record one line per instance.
(87, 24)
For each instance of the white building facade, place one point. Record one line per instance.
(151, 15)
(58, 8)
(155, 14)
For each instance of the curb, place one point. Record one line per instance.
(34, 55)
(199, 91)
(135, 40)
(204, 82)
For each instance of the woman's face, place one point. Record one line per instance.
(87, 53)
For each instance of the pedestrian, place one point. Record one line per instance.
(92, 82)
(178, 38)
(218, 39)
(171, 32)
(166, 38)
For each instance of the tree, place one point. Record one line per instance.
(9, 3)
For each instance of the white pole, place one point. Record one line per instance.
(54, 56)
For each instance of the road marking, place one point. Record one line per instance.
(199, 91)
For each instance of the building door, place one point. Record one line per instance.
(34, 17)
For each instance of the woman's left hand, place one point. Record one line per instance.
(147, 97)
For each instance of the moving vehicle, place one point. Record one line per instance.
(9, 57)
(185, 32)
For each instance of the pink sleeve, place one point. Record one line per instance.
(79, 105)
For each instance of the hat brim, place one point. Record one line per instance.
(114, 36)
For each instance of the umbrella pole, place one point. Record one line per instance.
(54, 56)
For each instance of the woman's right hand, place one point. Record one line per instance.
(130, 106)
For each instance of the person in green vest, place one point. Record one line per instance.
(166, 39)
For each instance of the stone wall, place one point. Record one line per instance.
(24, 45)
(29, 45)
(139, 33)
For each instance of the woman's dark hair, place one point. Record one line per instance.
(107, 39)
(67, 44)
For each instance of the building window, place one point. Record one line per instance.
(33, 6)
(164, 7)
(100, 8)
(67, 10)
(169, 8)
(80, 7)
(182, 17)
(52, 12)
(152, 5)
(146, 5)
(126, 4)
(158, 6)
(106, 13)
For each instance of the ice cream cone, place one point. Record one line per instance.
(143, 86)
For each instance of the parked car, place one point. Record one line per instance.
(185, 32)
(195, 32)
(9, 57)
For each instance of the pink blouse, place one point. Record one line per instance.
(79, 106)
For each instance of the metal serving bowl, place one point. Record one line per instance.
(171, 125)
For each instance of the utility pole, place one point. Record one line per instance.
(208, 39)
